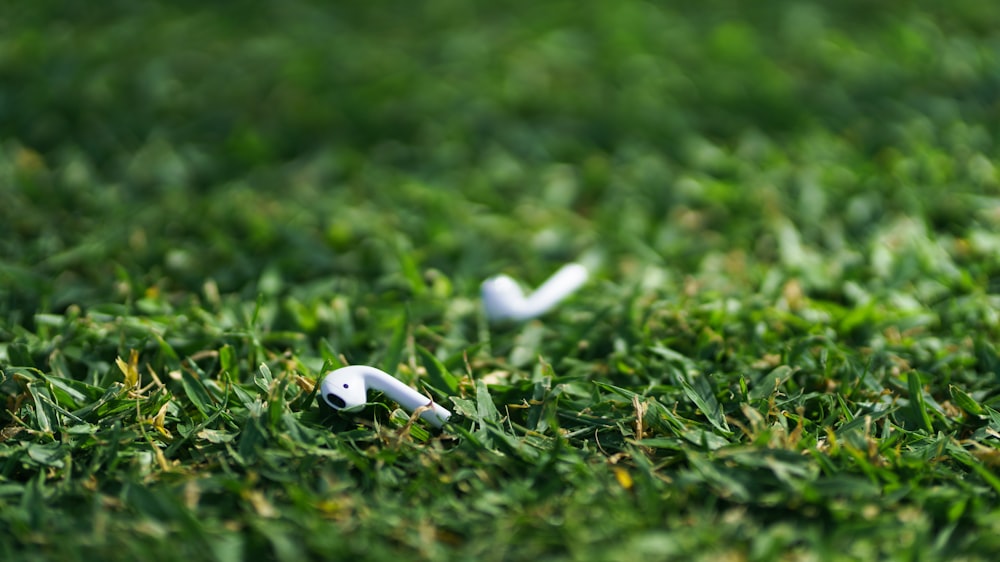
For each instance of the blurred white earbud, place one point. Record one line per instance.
(503, 298)
(347, 389)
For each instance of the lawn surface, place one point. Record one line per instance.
(787, 350)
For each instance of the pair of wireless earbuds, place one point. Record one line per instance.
(346, 388)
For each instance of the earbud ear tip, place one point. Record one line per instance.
(501, 297)
(343, 389)
(501, 286)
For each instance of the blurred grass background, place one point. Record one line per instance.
(165, 166)
(148, 134)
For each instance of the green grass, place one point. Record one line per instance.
(788, 349)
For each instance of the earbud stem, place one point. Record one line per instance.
(560, 285)
(408, 398)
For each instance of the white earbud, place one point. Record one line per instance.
(347, 388)
(503, 298)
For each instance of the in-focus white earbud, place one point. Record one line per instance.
(347, 389)
(503, 298)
